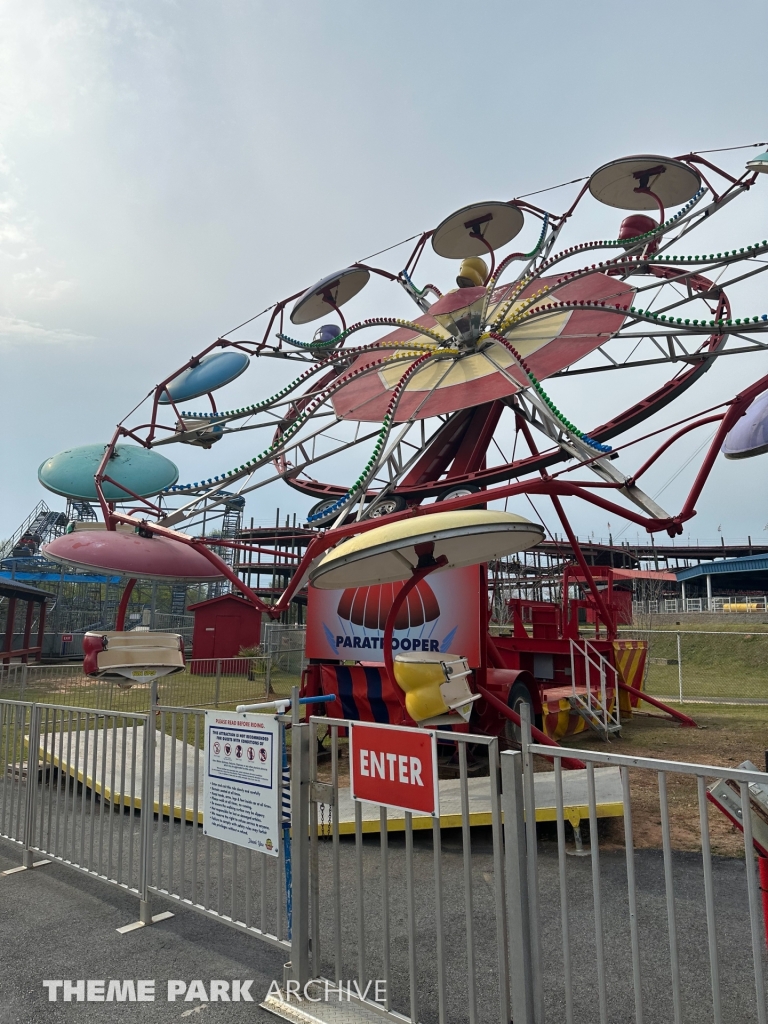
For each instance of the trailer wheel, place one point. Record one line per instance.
(518, 695)
(321, 506)
(387, 506)
(459, 492)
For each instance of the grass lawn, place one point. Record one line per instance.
(726, 665)
(182, 689)
(725, 737)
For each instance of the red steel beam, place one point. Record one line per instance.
(536, 734)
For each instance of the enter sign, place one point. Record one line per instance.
(394, 766)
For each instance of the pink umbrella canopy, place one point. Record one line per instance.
(550, 344)
(127, 553)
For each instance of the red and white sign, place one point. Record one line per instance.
(394, 766)
(66, 638)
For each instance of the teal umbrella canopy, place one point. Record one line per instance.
(141, 470)
(759, 163)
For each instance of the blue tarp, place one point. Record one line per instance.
(55, 577)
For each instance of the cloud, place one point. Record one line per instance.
(38, 275)
(14, 331)
(15, 230)
(37, 284)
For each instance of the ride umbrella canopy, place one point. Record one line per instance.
(413, 548)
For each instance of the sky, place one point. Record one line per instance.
(169, 169)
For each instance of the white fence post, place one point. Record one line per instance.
(300, 785)
(33, 748)
(516, 870)
(148, 808)
(680, 667)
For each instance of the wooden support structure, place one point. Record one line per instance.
(16, 592)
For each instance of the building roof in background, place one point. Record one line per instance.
(645, 574)
(751, 563)
(603, 571)
(224, 599)
(14, 588)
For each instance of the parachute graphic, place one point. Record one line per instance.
(368, 606)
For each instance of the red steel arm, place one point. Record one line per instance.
(537, 734)
(683, 719)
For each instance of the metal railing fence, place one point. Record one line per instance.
(79, 775)
(717, 667)
(204, 682)
(238, 886)
(734, 605)
(120, 796)
(399, 901)
(485, 924)
(565, 975)
(15, 722)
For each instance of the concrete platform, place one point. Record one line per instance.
(182, 804)
(608, 790)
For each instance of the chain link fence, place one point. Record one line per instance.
(715, 667)
(284, 646)
(745, 604)
(682, 665)
(203, 683)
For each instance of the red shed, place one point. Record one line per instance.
(223, 625)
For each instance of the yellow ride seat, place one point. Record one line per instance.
(435, 687)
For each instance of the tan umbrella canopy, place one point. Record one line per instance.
(389, 553)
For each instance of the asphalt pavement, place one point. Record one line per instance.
(735, 969)
(57, 923)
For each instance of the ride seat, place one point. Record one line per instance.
(436, 688)
(135, 656)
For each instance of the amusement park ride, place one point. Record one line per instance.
(434, 410)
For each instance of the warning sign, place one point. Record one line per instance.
(394, 766)
(241, 781)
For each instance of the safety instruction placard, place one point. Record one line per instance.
(241, 799)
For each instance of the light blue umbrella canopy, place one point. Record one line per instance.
(212, 372)
(143, 470)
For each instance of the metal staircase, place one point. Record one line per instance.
(231, 523)
(179, 599)
(80, 511)
(40, 526)
(594, 689)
